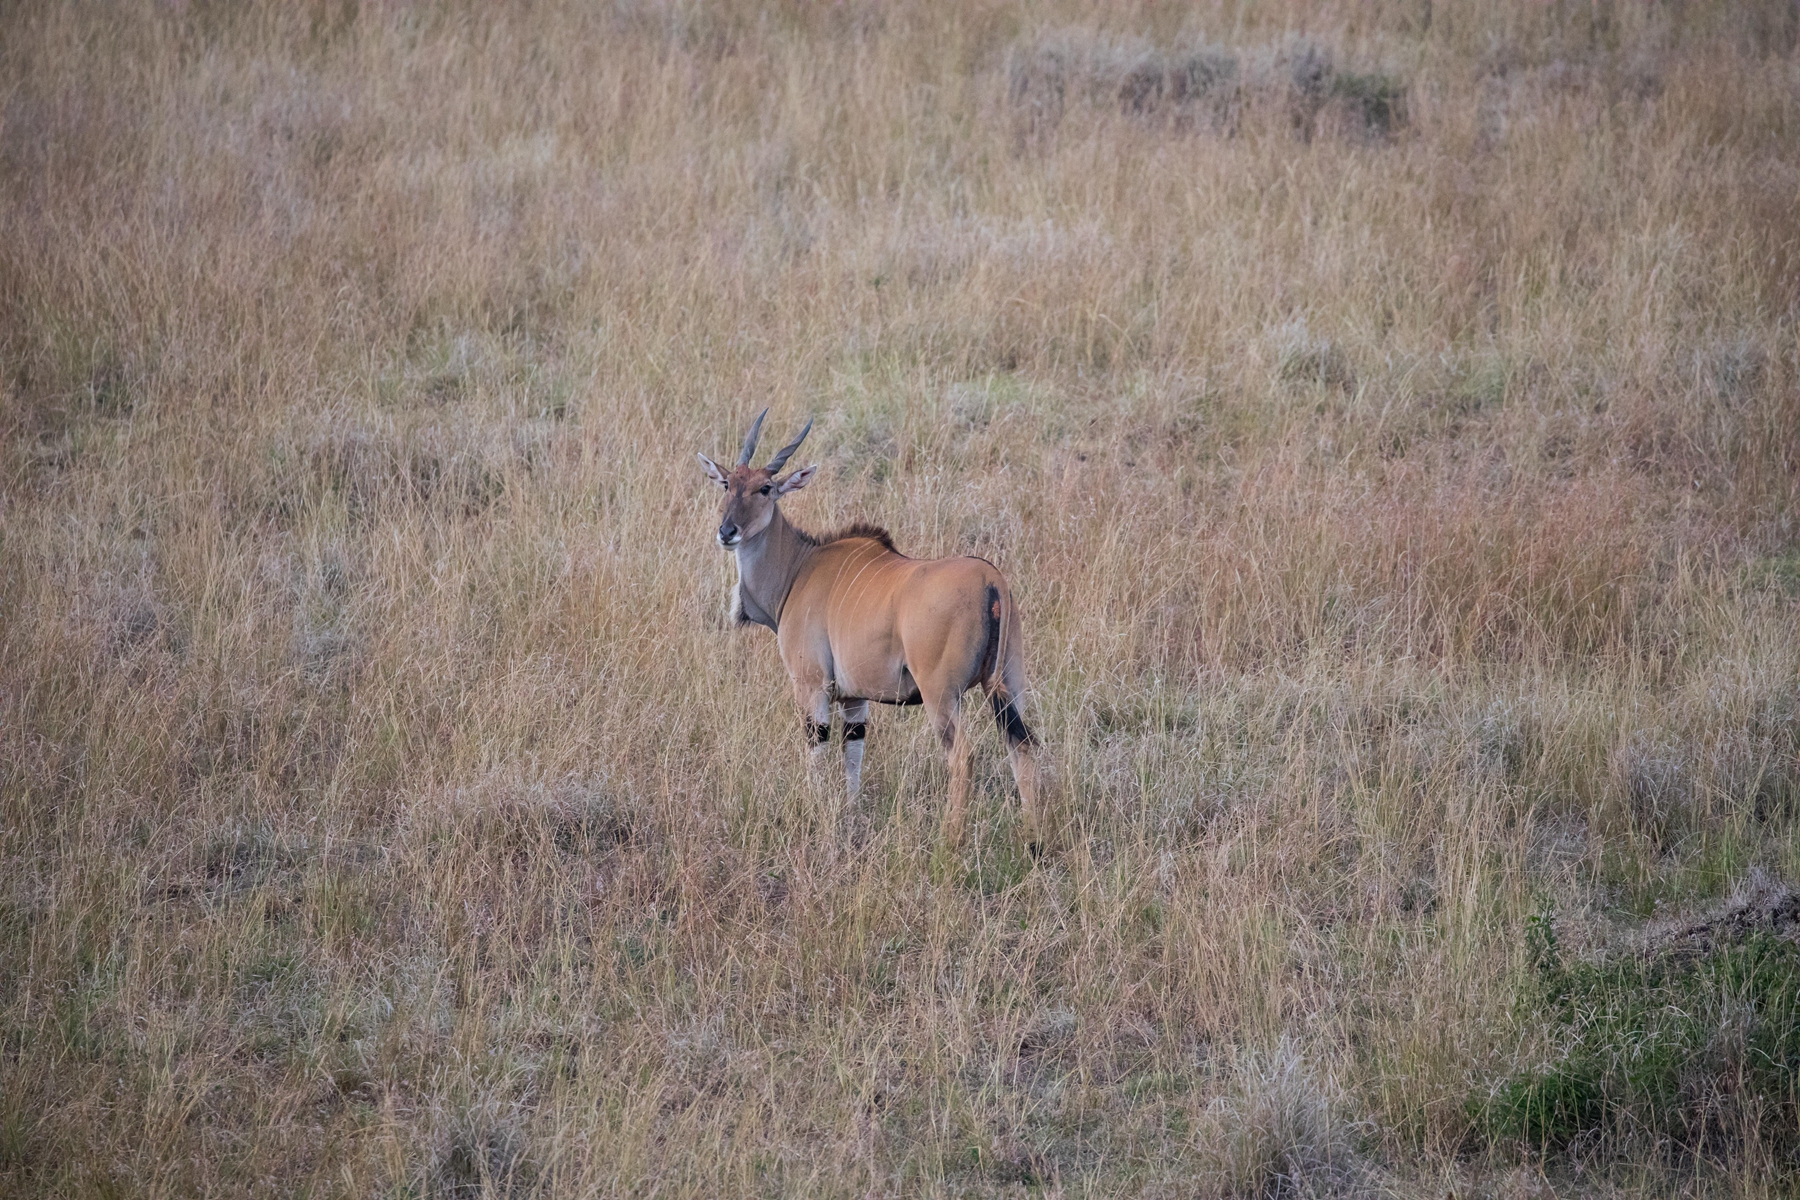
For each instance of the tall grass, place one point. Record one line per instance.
(1386, 414)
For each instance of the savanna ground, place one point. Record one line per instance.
(1386, 413)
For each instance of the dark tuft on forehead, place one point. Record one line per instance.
(748, 475)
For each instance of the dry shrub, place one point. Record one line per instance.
(1195, 85)
(483, 1152)
(1199, 83)
(1279, 1130)
(1304, 357)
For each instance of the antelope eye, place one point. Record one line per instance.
(763, 490)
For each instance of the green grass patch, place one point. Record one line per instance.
(1696, 1054)
(1779, 573)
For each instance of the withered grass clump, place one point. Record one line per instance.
(1386, 414)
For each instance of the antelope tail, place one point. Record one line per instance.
(992, 656)
(993, 672)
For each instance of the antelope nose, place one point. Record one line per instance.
(728, 533)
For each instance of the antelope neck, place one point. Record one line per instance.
(767, 566)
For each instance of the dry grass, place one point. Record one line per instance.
(1385, 411)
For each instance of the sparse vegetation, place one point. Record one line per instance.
(1388, 416)
(1679, 1053)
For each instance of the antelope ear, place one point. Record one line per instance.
(796, 481)
(712, 469)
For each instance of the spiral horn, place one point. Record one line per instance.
(781, 455)
(750, 439)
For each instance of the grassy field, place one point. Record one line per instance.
(1387, 412)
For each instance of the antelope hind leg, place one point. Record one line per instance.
(942, 713)
(1025, 773)
(1020, 745)
(956, 744)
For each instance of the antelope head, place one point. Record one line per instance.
(751, 492)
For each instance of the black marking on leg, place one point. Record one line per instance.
(855, 731)
(1012, 725)
(817, 734)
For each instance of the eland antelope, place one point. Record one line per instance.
(857, 621)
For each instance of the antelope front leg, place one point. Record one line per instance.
(856, 727)
(817, 706)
